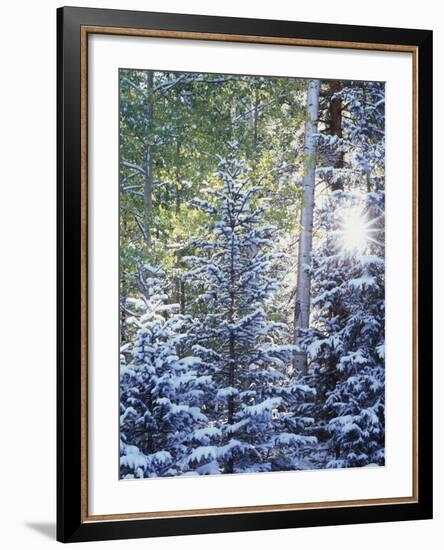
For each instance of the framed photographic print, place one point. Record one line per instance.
(245, 274)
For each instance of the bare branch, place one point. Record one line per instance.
(132, 187)
(130, 177)
(133, 166)
(188, 79)
(165, 86)
(142, 230)
(134, 86)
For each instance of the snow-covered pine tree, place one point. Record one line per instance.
(346, 336)
(361, 143)
(160, 393)
(346, 339)
(246, 355)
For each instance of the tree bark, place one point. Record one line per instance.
(336, 126)
(148, 183)
(253, 117)
(302, 298)
(231, 353)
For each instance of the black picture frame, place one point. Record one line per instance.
(71, 523)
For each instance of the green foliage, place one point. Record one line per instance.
(194, 117)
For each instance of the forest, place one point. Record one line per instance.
(252, 274)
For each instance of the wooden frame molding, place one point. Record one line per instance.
(152, 33)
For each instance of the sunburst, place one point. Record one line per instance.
(356, 231)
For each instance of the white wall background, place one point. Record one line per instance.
(27, 275)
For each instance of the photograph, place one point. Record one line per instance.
(251, 274)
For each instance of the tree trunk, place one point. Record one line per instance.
(123, 317)
(182, 297)
(148, 183)
(231, 355)
(336, 127)
(179, 283)
(256, 118)
(302, 299)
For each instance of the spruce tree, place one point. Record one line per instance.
(160, 393)
(234, 274)
(345, 342)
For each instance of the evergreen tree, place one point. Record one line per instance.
(160, 393)
(346, 340)
(354, 157)
(235, 275)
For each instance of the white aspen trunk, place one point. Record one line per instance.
(148, 184)
(302, 298)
